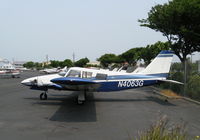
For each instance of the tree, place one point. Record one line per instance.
(55, 63)
(66, 62)
(151, 51)
(132, 56)
(107, 59)
(38, 66)
(82, 62)
(29, 64)
(178, 20)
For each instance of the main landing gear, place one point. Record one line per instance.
(43, 96)
(81, 98)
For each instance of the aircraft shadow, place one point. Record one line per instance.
(69, 110)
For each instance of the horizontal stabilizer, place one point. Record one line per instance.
(72, 81)
(172, 81)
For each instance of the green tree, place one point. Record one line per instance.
(29, 64)
(107, 59)
(62, 64)
(82, 62)
(151, 51)
(38, 66)
(178, 20)
(132, 56)
(55, 63)
(67, 62)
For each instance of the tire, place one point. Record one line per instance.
(43, 96)
(79, 102)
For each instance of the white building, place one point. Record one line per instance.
(6, 65)
(19, 64)
(95, 63)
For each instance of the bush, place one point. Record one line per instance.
(177, 76)
(161, 130)
(193, 87)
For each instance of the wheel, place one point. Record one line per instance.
(80, 102)
(43, 96)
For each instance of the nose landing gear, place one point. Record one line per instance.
(43, 96)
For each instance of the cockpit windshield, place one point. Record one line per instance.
(62, 73)
(74, 73)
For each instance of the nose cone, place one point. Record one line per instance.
(25, 82)
(29, 82)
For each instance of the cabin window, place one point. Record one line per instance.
(101, 76)
(74, 73)
(86, 74)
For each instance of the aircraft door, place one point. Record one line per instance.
(39, 82)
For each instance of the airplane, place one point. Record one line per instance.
(8, 70)
(53, 70)
(90, 80)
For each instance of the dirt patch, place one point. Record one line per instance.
(170, 94)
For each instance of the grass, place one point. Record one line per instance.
(161, 130)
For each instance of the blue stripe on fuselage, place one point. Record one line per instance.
(166, 52)
(123, 85)
(169, 55)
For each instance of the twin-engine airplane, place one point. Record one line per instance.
(84, 79)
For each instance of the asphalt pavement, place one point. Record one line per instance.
(105, 115)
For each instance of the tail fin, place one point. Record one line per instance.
(160, 65)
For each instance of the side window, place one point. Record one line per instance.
(86, 74)
(101, 76)
(74, 73)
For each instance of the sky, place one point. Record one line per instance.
(32, 29)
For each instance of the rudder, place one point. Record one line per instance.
(160, 65)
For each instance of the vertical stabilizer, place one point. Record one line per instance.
(160, 65)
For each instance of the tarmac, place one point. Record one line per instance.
(105, 115)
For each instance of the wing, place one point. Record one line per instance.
(74, 83)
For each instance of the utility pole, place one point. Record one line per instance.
(185, 77)
(73, 57)
(47, 60)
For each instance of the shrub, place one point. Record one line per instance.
(193, 87)
(177, 76)
(161, 130)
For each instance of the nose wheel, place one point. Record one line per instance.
(81, 98)
(43, 96)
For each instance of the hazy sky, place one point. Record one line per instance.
(31, 29)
